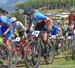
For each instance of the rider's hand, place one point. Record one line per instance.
(3, 35)
(28, 31)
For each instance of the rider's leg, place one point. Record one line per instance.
(8, 38)
(9, 44)
(45, 38)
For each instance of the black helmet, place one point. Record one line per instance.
(29, 11)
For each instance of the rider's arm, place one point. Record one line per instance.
(21, 25)
(29, 24)
(8, 29)
(50, 23)
(60, 30)
(6, 22)
(0, 21)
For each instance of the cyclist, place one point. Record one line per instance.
(71, 25)
(18, 26)
(20, 29)
(41, 21)
(6, 29)
(56, 30)
(71, 19)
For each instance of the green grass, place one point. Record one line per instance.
(57, 66)
(60, 62)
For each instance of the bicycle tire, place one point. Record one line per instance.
(34, 64)
(73, 52)
(3, 46)
(14, 55)
(49, 57)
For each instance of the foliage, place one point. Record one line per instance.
(38, 3)
(19, 16)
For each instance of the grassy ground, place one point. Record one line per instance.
(57, 66)
(60, 61)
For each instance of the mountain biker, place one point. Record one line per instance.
(71, 18)
(56, 30)
(18, 26)
(42, 22)
(6, 29)
(20, 29)
(71, 25)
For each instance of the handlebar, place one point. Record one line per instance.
(56, 37)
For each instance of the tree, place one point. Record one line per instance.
(19, 16)
(52, 3)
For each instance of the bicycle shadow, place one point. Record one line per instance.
(20, 64)
(65, 57)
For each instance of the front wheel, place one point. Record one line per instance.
(33, 55)
(73, 53)
(14, 56)
(5, 57)
(50, 53)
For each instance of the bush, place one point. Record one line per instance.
(19, 16)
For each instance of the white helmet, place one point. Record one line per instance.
(13, 19)
(17, 39)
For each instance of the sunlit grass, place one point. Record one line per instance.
(60, 62)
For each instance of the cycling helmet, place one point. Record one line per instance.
(30, 11)
(13, 19)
